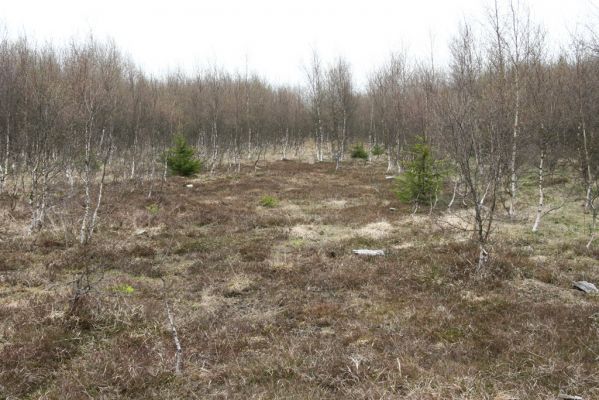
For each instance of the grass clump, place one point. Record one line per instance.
(124, 289)
(268, 201)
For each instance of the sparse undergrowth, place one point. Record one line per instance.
(271, 304)
(269, 201)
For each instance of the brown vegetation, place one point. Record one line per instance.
(267, 308)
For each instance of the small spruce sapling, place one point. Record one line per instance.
(377, 150)
(181, 160)
(422, 179)
(358, 151)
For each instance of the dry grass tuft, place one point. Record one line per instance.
(376, 230)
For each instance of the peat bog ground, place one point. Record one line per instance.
(269, 302)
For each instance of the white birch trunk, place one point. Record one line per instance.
(455, 189)
(152, 172)
(319, 137)
(343, 137)
(178, 349)
(389, 161)
(483, 256)
(92, 224)
(87, 184)
(285, 144)
(587, 205)
(164, 170)
(398, 156)
(513, 185)
(133, 154)
(593, 226)
(4, 169)
(249, 143)
(38, 198)
(214, 146)
(535, 227)
(70, 178)
(370, 130)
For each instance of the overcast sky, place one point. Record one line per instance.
(276, 36)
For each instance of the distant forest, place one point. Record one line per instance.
(75, 114)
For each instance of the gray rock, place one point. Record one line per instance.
(585, 286)
(366, 252)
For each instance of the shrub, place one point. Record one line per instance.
(180, 158)
(358, 151)
(269, 201)
(421, 181)
(124, 289)
(377, 150)
(153, 209)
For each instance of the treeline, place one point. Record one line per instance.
(79, 114)
(505, 102)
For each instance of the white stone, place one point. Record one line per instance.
(366, 252)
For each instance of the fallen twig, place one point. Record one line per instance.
(179, 350)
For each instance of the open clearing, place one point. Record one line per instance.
(270, 302)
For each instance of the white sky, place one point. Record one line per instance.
(276, 36)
